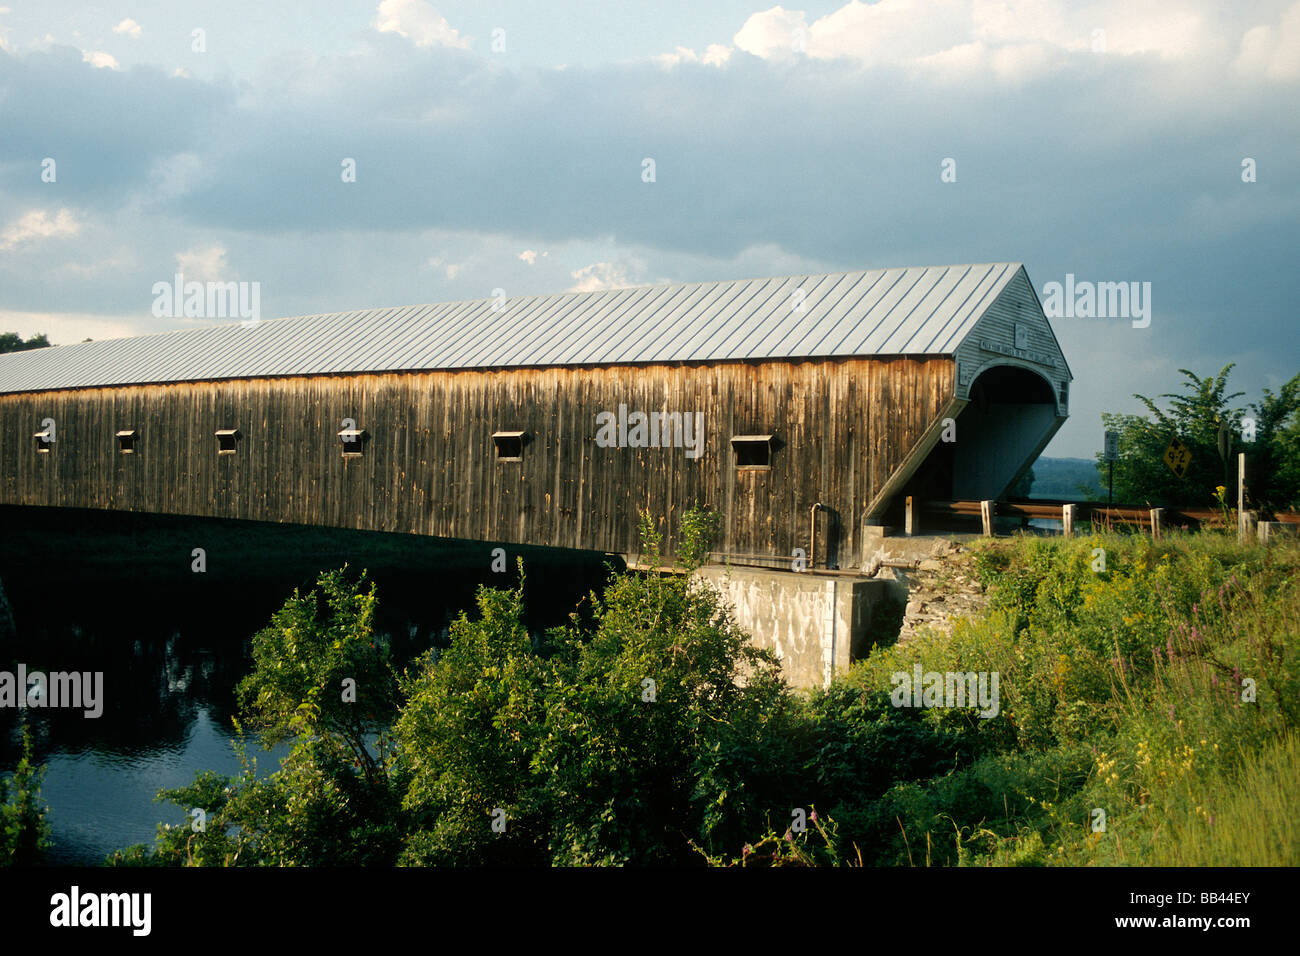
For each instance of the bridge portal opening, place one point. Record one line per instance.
(1009, 419)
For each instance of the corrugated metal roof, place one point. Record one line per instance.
(908, 311)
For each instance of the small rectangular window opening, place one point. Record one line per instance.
(354, 442)
(126, 441)
(509, 445)
(226, 440)
(753, 451)
(43, 441)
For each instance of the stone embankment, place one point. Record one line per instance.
(937, 587)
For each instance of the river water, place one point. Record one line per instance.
(118, 594)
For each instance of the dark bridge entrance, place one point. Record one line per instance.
(1010, 417)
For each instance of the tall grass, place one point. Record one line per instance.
(1162, 692)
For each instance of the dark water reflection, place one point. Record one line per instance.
(102, 798)
(115, 593)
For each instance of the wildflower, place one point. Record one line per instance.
(788, 836)
(813, 816)
(748, 850)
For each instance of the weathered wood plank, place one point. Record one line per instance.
(430, 465)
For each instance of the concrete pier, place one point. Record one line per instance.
(816, 623)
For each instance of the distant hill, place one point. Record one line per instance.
(1060, 478)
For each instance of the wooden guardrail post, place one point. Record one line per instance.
(986, 517)
(1241, 498)
(1267, 531)
(910, 516)
(1156, 515)
(1067, 520)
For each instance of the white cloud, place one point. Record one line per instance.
(1270, 51)
(715, 54)
(1011, 39)
(38, 224)
(530, 256)
(418, 22)
(129, 28)
(773, 34)
(204, 265)
(100, 59)
(602, 275)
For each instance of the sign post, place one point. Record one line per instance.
(1112, 452)
(1241, 498)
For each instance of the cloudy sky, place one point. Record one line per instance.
(502, 145)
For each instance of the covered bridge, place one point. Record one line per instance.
(552, 420)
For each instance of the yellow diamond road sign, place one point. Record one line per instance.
(1177, 457)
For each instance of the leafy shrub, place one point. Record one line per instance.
(24, 830)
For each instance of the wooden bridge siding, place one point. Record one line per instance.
(429, 466)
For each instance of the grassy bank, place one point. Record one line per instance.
(1150, 689)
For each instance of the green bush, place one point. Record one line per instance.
(649, 730)
(24, 830)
